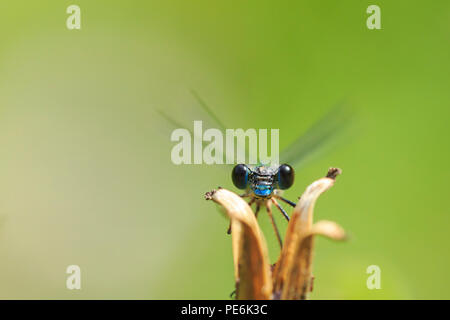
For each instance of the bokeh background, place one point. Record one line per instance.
(85, 170)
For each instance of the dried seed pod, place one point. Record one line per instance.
(292, 274)
(250, 255)
(291, 278)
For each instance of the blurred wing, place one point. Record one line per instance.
(216, 119)
(319, 137)
(208, 111)
(212, 119)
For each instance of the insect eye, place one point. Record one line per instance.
(285, 176)
(239, 175)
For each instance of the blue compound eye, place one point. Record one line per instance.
(240, 176)
(285, 176)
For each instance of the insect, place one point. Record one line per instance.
(263, 184)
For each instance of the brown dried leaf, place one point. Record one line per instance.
(250, 254)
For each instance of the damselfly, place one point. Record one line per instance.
(263, 184)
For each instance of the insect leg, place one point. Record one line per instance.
(229, 228)
(269, 211)
(258, 206)
(280, 208)
(289, 202)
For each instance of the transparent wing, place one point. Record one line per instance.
(208, 118)
(327, 132)
(323, 134)
(221, 126)
(208, 111)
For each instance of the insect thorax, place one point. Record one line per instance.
(262, 181)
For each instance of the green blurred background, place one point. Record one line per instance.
(85, 170)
